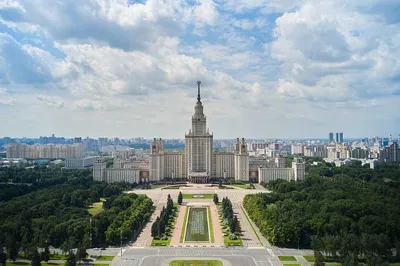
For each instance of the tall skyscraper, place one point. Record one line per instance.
(198, 144)
(330, 137)
(341, 137)
(337, 137)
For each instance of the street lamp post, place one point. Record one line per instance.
(121, 243)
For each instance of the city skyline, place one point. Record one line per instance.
(284, 69)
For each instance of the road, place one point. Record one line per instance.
(153, 256)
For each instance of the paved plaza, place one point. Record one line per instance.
(256, 250)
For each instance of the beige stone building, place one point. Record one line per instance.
(199, 163)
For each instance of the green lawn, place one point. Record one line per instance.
(287, 258)
(58, 256)
(198, 196)
(195, 262)
(157, 186)
(158, 242)
(237, 242)
(99, 264)
(309, 258)
(105, 258)
(96, 208)
(244, 186)
(184, 225)
(210, 224)
(291, 264)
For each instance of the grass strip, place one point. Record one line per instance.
(184, 225)
(195, 262)
(309, 258)
(105, 258)
(210, 224)
(236, 242)
(198, 196)
(287, 258)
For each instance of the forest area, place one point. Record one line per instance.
(351, 214)
(57, 214)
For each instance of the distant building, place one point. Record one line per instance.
(297, 149)
(297, 172)
(48, 151)
(341, 137)
(391, 153)
(331, 137)
(80, 163)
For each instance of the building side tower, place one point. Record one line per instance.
(99, 168)
(156, 160)
(299, 169)
(241, 161)
(198, 146)
(280, 162)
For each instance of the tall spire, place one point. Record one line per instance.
(198, 90)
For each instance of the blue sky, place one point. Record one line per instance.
(269, 69)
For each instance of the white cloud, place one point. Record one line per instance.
(132, 69)
(206, 12)
(51, 101)
(331, 53)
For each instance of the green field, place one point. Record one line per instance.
(184, 224)
(96, 208)
(197, 226)
(198, 196)
(287, 258)
(291, 264)
(105, 258)
(195, 263)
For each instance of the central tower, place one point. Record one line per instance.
(198, 145)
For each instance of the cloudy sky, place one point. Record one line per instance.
(269, 68)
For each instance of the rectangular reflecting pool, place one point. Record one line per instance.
(197, 225)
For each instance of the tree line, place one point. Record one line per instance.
(352, 215)
(229, 216)
(58, 216)
(159, 229)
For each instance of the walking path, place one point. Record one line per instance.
(176, 235)
(218, 236)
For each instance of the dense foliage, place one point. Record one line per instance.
(159, 227)
(58, 215)
(18, 181)
(350, 215)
